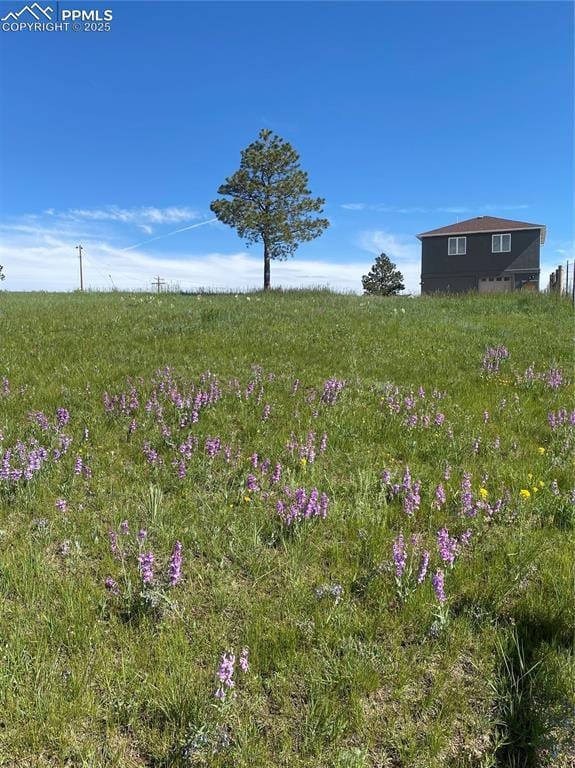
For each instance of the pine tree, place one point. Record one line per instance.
(270, 201)
(383, 278)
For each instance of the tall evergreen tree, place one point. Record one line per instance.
(269, 200)
(383, 278)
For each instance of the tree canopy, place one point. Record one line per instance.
(267, 200)
(383, 278)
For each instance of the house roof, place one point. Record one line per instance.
(483, 224)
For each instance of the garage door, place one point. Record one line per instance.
(494, 284)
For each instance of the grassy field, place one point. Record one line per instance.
(374, 502)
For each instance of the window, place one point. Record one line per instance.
(457, 246)
(500, 243)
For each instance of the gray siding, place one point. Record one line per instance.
(441, 272)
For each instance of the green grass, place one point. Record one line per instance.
(380, 677)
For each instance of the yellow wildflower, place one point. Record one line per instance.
(535, 489)
(524, 493)
(541, 484)
(541, 450)
(483, 493)
(247, 498)
(303, 461)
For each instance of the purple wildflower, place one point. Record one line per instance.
(226, 673)
(213, 446)
(62, 416)
(447, 546)
(399, 556)
(406, 480)
(412, 500)
(146, 565)
(493, 357)
(124, 527)
(244, 663)
(331, 390)
(438, 586)
(277, 473)
(554, 378)
(141, 536)
(423, 567)
(466, 496)
(440, 496)
(111, 586)
(175, 568)
(113, 538)
(252, 484)
(61, 505)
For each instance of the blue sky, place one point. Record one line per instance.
(407, 116)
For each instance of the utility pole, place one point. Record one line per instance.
(158, 282)
(79, 248)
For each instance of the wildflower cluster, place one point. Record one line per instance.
(331, 391)
(493, 358)
(307, 451)
(226, 672)
(553, 378)
(134, 558)
(298, 505)
(411, 559)
(24, 460)
(416, 409)
(407, 490)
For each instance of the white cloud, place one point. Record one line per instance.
(44, 259)
(397, 247)
(403, 250)
(143, 217)
(566, 251)
(455, 209)
(382, 208)
(493, 207)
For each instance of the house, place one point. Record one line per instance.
(484, 254)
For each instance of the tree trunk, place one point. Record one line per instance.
(266, 267)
